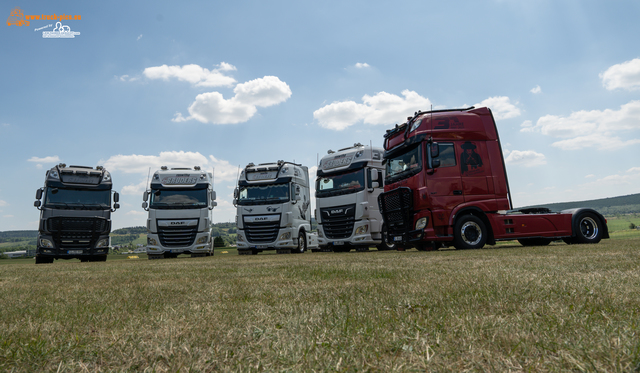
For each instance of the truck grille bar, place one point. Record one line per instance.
(396, 207)
(77, 233)
(264, 232)
(338, 222)
(177, 236)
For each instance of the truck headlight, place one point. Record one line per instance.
(103, 243)
(421, 223)
(152, 241)
(46, 243)
(362, 229)
(285, 236)
(202, 239)
(239, 238)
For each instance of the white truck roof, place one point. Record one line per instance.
(181, 177)
(351, 158)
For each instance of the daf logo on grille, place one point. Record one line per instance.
(177, 223)
(261, 219)
(337, 211)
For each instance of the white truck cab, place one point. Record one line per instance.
(180, 200)
(347, 187)
(273, 209)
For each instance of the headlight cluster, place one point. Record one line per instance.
(239, 238)
(103, 243)
(421, 223)
(202, 239)
(46, 243)
(362, 229)
(152, 241)
(285, 236)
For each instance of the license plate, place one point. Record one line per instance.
(397, 238)
(338, 243)
(261, 247)
(75, 252)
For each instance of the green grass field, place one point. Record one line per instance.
(555, 308)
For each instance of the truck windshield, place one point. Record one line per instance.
(344, 183)
(404, 165)
(178, 198)
(77, 199)
(263, 194)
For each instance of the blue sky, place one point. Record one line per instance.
(221, 84)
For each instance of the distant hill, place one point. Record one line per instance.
(606, 206)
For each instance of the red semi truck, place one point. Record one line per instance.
(446, 184)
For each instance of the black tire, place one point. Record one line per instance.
(302, 243)
(588, 228)
(385, 244)
(43, 260)
(539, 241)
(469, 233)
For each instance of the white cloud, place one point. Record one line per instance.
(137, 213)
(135, 189)
(501, 107)
(139, 37)
(624, 76)
(527, 126)
(7, 216)
(126, 78)
(49, 159)
(382, 108)
(194, 74)
(211, 107)
(536, 90)
(594, 128)
(360, 65)
(3, 203)
(141, 164)
(525, 158)
(590, 176)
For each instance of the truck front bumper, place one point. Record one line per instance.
(361, 236)
(287, 239)
(47, 247)
(201, 245)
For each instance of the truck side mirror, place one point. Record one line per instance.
(37, 203)
(39, 194)
(145, 196)
(435, 150)
(116, 206)
(375, 185)
(144, 205)
(235, 193)
(235, 202)
(213, 195)
(116, 197)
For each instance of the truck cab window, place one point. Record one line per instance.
(447, 156)
(405, 164)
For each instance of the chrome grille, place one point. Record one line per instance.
(338, 222)
(177, 236)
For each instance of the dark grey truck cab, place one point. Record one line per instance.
(75, 214)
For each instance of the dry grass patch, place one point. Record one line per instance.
(545, 309)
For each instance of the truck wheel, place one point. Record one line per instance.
(302, 243)
(588, 228)
(43, 260)
(385, 245)
(540, 241)
(469, 233)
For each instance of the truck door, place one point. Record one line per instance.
(444, 184)
(475, 169)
